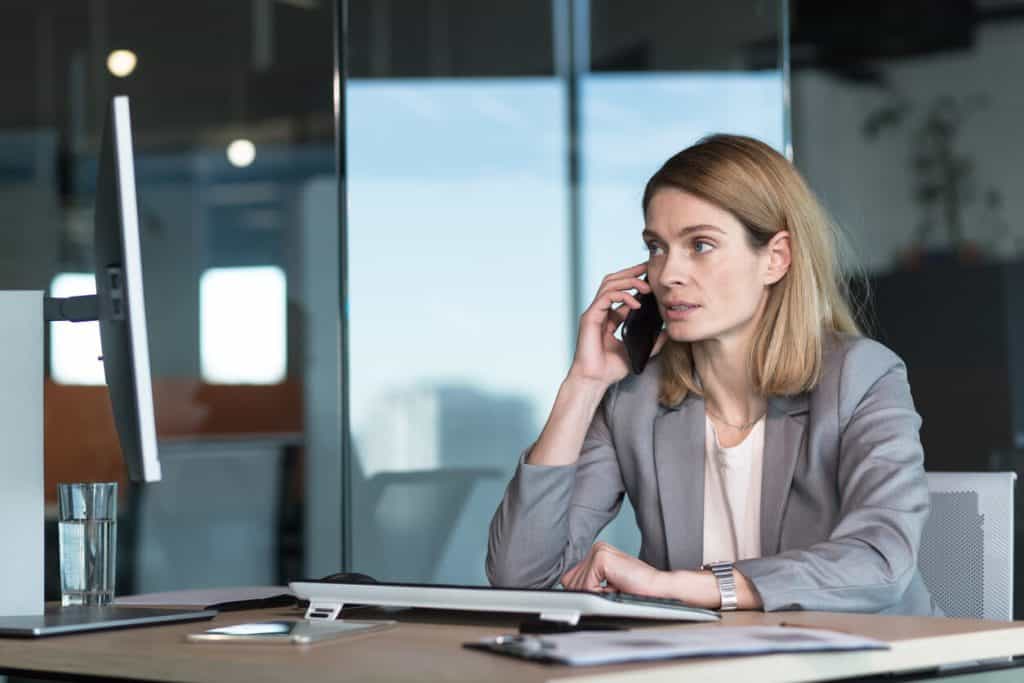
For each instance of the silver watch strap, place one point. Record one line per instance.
(726, 578)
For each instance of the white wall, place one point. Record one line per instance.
(867, 185)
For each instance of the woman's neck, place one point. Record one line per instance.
(723, 366)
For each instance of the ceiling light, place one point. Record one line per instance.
(241, 153)
(121, 63)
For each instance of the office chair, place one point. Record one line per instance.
(415, 511)
(214, 519)
(966, 555)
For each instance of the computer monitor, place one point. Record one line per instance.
(119, 304)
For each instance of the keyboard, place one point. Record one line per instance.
(326, 600)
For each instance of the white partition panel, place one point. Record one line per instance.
(21, 453)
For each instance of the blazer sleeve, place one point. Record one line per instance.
(551, 515)
(871, 556)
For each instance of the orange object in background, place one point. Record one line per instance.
(81, 440)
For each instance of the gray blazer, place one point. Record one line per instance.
(843, 501)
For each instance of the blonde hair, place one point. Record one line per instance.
(766, 194)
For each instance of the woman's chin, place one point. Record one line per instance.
(682, 333)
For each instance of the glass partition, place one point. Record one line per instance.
(233, 127)
(456, 239)
(662, 76)
(495, 165)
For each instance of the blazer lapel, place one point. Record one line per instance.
(679, 467)
(783, 437)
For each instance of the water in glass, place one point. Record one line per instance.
(88, 557)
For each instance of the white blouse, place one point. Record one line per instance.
(732, 496)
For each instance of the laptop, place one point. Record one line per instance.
(61, 620)
(326, 599)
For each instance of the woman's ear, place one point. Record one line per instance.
(779, 257)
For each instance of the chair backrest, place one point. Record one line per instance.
(214, 519)
(966, 555)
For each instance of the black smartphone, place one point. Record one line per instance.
(640, 331)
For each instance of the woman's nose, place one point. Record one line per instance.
(675, 271)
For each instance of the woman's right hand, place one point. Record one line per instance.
(600, 357)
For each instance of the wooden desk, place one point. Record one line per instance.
(426, 646)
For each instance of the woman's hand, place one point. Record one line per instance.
(599, 355)
(606, 568)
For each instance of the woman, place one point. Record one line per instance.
(766, 440)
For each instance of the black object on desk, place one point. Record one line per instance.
(287, 599)
(349, 577)
(281, 600)
(537, 625)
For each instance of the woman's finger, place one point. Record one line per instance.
(625, 284)
(659, 343)
(598, 311)
(585, 581)
(568, 577)
(577, 579)
(618, 296)
(594, 577)
(632, 271)
(615, 318)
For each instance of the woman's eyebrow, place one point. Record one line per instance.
(648, 234)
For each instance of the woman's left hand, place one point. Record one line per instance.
(606, 568)
(606, 564)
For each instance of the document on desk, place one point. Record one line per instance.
(586, 648)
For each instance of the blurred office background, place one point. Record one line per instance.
(369, 227)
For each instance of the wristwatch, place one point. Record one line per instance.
(726, 583)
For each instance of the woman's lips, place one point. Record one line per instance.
(681, 312)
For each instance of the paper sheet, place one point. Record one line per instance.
(606, 647)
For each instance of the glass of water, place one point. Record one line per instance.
(87, 518)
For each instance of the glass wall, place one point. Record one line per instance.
(233, 126)
(495, 162)
(495, 159)
(906, 122)
(457, 271)
(495, 156)
(659, 80)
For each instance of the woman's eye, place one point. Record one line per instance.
(653, 248)
(702, 247)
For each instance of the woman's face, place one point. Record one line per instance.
(709, 281)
